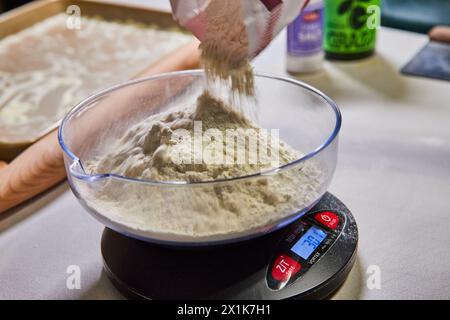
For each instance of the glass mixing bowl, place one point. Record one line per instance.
(186, 213)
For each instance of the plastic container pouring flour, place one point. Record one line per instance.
(263, 19)
(304, 40)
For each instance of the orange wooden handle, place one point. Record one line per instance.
(33, 171)
(41, 165)
(2, 164)
(440, 33)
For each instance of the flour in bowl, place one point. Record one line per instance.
(191, 187)
(147, 150)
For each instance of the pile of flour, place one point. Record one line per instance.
(150, 150)
(144, 152)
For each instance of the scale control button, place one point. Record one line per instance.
(328, 219)
(284, 268)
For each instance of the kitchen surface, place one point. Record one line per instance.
(393, 173)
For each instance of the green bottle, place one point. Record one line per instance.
(351, 28)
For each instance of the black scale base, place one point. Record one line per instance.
(141, 270)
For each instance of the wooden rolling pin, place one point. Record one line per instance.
(41, 165)
(440, 34)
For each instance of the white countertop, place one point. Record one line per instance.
(393, 173)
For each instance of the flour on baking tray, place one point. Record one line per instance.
(47, 68)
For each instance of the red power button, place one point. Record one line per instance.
(284, 268)
(328, 219)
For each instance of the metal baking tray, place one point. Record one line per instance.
(26, 16)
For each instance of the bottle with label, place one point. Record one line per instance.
(304, 40)
(351, 28)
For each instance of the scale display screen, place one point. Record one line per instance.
(309, 242)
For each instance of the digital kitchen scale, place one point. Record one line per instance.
(308, 259)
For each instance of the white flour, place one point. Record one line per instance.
(197, 210)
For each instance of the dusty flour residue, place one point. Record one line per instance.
(47, 68)
(196, 210)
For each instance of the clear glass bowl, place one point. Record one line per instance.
(307, 120)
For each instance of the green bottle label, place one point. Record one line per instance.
(351, 25)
